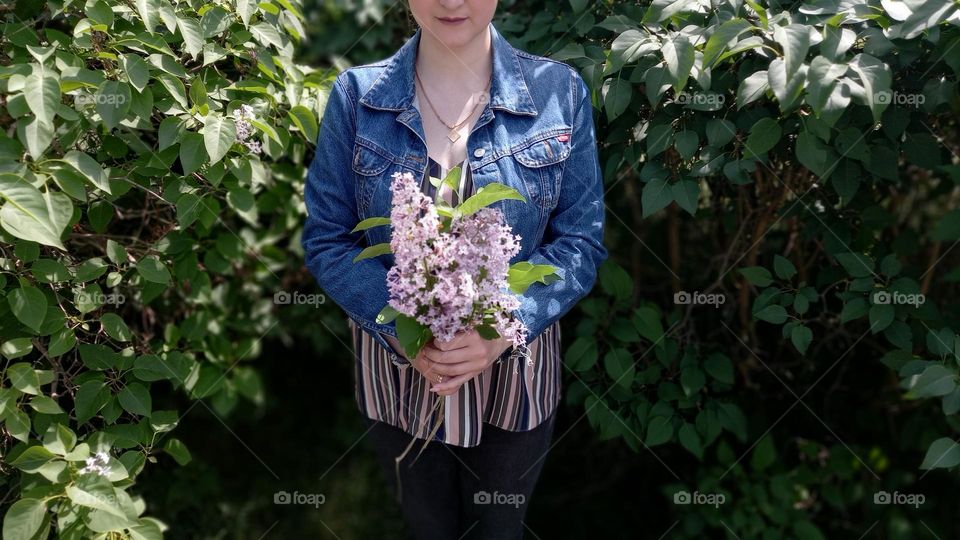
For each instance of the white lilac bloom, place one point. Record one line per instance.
(97, 464)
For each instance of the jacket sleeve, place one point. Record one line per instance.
(573, 240)
(359, 288)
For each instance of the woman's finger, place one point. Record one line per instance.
(448, 387)
(449, 370)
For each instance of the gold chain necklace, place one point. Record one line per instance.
(453, 135)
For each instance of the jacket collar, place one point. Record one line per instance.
(393, 90)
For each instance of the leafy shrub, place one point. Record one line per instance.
(790, 168)
(149, 155)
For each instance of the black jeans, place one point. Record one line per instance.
(452, 492)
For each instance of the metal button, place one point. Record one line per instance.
(479, 152)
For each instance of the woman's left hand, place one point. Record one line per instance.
(461, 359)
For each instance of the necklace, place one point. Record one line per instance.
(453, 134)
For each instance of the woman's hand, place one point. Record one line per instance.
(417, 362)
(458, 360)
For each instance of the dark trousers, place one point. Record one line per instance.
(452, 492)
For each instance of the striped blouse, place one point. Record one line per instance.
(514, 393)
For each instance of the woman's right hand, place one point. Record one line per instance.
(418, 363)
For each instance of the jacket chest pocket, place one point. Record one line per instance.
(541, 159)
(373, 167)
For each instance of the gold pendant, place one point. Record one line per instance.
(453, 135)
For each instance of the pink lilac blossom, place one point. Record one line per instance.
(450, 280)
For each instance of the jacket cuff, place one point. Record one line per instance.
(396, 357)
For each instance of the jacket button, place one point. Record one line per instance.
(479, 152)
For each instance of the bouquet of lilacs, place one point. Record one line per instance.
(452, 268)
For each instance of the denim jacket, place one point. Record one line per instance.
(535, 134)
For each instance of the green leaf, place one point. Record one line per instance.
(59, 439)
(523, 274)
(114, 326)
(368, 223)
(801, 337)
(657, 194)
(24, 519)
(152, 269)
(412, 335)
(33, 458)
(720, 132)
(678, 53)
(764, 454)
(42, 91)
(618, 364)
(772, 314)
(487, 195)
(690, 439)
(193, 153)
(29, 214)
(149, 13)
(219, 133)
(783, 267)
(373, 251)
(582, 354)
(178, 451)
(135, 399)
(936, 380)
(721, 39)
(305, 121)
(616, 281)
(757, 275)
(944, 453)
(686, 143)
(192, 36)
(24, 378)
(764, 135)
(857, 265)
(875, 77)
(617, 95)
(687, 195)
(113, 100)
(659, 431)
(36, 135)
(91, 397)
(88, 168)
(387, 315)
(29, 305)
(45, 405)
(794, 39)
(719, 367)
(137, 70)
(880, 316)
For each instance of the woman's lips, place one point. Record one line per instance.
(451, 20)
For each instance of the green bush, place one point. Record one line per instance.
(786, 170)
(149, 155)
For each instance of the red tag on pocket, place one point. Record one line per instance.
(563, 138)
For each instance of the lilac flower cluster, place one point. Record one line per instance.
(98, 464)
(455, 279)
(244, 129)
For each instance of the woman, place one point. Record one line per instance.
(457, 93)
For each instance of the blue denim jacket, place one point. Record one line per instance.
(535, 134)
